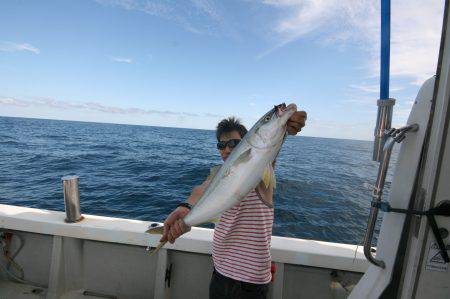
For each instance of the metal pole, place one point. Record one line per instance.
(385, 48)
(71, 198)
(384, 122)
(376, 197)
(385, 104)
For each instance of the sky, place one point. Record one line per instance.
(192, 63)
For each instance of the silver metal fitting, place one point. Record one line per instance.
(384, 121)
(71, 198)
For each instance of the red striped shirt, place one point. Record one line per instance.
(241, 244)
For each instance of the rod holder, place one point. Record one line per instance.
(71, 199)
(384, 121)
(393, 136)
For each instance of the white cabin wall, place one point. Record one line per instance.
(433, 283)
(421, 280)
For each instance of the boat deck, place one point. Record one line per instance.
(107, 258)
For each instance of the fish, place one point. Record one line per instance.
(249, 163)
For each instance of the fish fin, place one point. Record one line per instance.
(157, 248)
(158, 230)
(244, 157)
(213, 220)
(266, 177)
(269, 177)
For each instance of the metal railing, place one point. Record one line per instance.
(393, 136)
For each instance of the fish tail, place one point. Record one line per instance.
(155, 230)
(157, 248)
(158, 230)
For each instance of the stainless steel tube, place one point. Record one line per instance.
(377, 194)
(393, 136)
(71, 198)
(384, 120)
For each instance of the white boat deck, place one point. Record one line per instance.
(107, 256)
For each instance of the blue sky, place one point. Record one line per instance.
(191, 63)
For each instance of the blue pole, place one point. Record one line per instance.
(385, 48)
(385, 104)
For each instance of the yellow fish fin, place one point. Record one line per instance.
(158, 230)
(266, 177)
(213, 220)
(269, 177)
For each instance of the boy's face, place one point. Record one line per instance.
(224, 153)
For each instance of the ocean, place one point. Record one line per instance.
(142, 172)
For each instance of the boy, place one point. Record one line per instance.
(241, 244)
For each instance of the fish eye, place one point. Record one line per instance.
(267, 118)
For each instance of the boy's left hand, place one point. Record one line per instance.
(296, 122)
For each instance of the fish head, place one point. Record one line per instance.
(270, 129)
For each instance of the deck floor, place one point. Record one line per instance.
(12, 290)
(9, 290)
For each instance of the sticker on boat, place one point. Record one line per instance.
(435, 262)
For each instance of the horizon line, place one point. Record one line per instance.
(144, 125)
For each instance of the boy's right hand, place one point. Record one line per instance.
(174, 225)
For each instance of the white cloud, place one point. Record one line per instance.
(6, 46)
(160, 9)
(336, 129)
(121, 59)
(96, 107)
(372, 88)
(195, 16)
(12, 102)
(415, 30)
(208, 8)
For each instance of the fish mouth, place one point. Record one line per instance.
(282, 109)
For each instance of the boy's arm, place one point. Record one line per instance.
(197, 192)
(174, 225)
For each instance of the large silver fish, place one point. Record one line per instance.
(249, 163)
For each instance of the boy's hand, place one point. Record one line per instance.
(296, 122)
(174, 225)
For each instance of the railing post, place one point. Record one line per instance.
(71, 198)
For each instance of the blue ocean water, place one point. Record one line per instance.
(142, 172)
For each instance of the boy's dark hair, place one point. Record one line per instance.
(229, 125)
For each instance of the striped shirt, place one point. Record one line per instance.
(241, 244)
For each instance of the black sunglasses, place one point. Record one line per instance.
(231, 143)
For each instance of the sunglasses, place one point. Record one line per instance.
(230, 143)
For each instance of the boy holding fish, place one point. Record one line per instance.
(241, 244)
